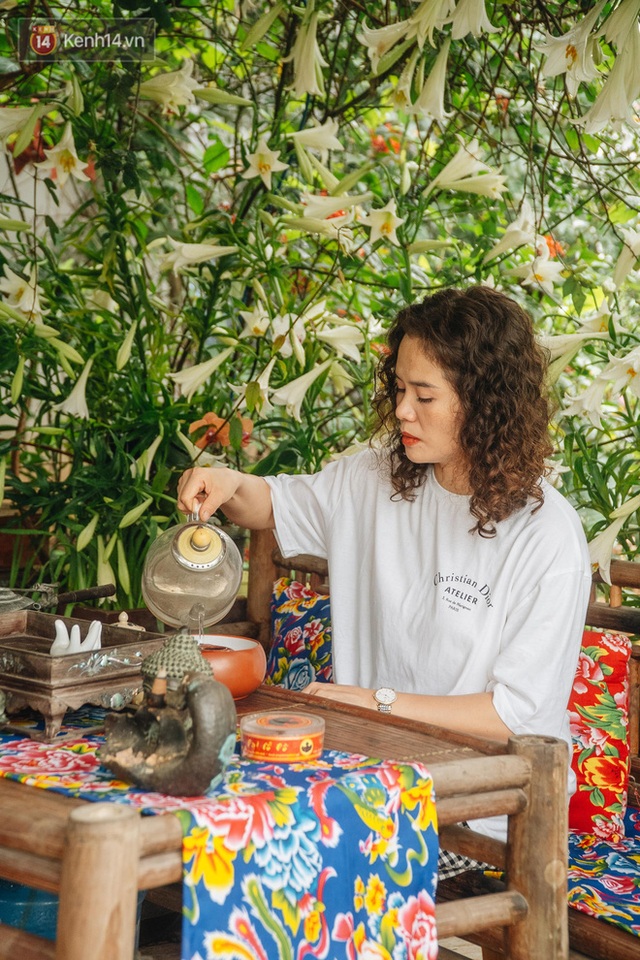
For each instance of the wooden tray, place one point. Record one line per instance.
(30, 676)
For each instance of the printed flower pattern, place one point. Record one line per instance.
(599, 714)
(603, 875)
(301, 630)
(275, 853)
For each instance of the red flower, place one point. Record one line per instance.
(219, 431)
(555, 249)
(416, 920)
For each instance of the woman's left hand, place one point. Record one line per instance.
(346, 693)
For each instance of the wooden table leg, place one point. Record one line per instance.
(537, 853)
(99, 884)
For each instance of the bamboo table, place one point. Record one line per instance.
(97, 856)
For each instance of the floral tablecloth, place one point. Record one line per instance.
(330, 859)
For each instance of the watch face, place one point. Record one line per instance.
(385, 695)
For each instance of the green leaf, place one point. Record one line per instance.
(123, 568)
(261, 26)
(572, 138)
(9, 66)
(235, 433)
(215, 156)
(195, 199)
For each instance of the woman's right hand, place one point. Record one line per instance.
(246, 500)
(210, 487)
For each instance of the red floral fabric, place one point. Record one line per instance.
(599, 713)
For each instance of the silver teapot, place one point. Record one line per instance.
(191, 575)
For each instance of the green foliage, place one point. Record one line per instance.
(107, 291)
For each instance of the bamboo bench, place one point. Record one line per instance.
(589, 937)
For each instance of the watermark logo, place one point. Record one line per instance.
(86, 40)
(43, 39)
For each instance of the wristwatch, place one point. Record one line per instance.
(384, 697)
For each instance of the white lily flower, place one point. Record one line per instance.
(519, 232)
(484, 184)
(263, 404)
(384, 223)
(555, 469)
(627, 508)
(541, 271)
(601, 548)
(573, 52)
(619, 24)
(614, 103)
(142, 466)
(307, 60)
(64, 160)
(201, 457)
(171, 90)
(256, 321)
(600, 321)
(344, 339)
(333, 229)
(321, 138)
(102, 300)
(627, 256)
(431, 15)
(263, 163)
(293, 329)
(319, 207)
(124, 350)
(292, 394)
(22, 294)
(588, 403)
(340, 379)
(467, 173)
(189, 254)
(557, 346)
(381, 39)
(430, 102)
(192, 378)
(76, 403)
(13, 119)
(470, 16)
(408, 169)
(375, 327)
(623, 372)
(401, 93)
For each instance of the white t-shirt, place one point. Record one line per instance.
(421, 604)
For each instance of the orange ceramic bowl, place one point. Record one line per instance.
(238, 662)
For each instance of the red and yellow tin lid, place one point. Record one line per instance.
(281, 736)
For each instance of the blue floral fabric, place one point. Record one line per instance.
(604, 875)
(335, 858)
(301, 631)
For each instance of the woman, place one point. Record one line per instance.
(459, 577)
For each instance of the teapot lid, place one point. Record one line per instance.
(198, 546)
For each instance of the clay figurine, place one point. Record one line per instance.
(181, 738)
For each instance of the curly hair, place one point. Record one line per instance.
(485, 344)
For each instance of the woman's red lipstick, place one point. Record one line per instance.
(408, 439)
